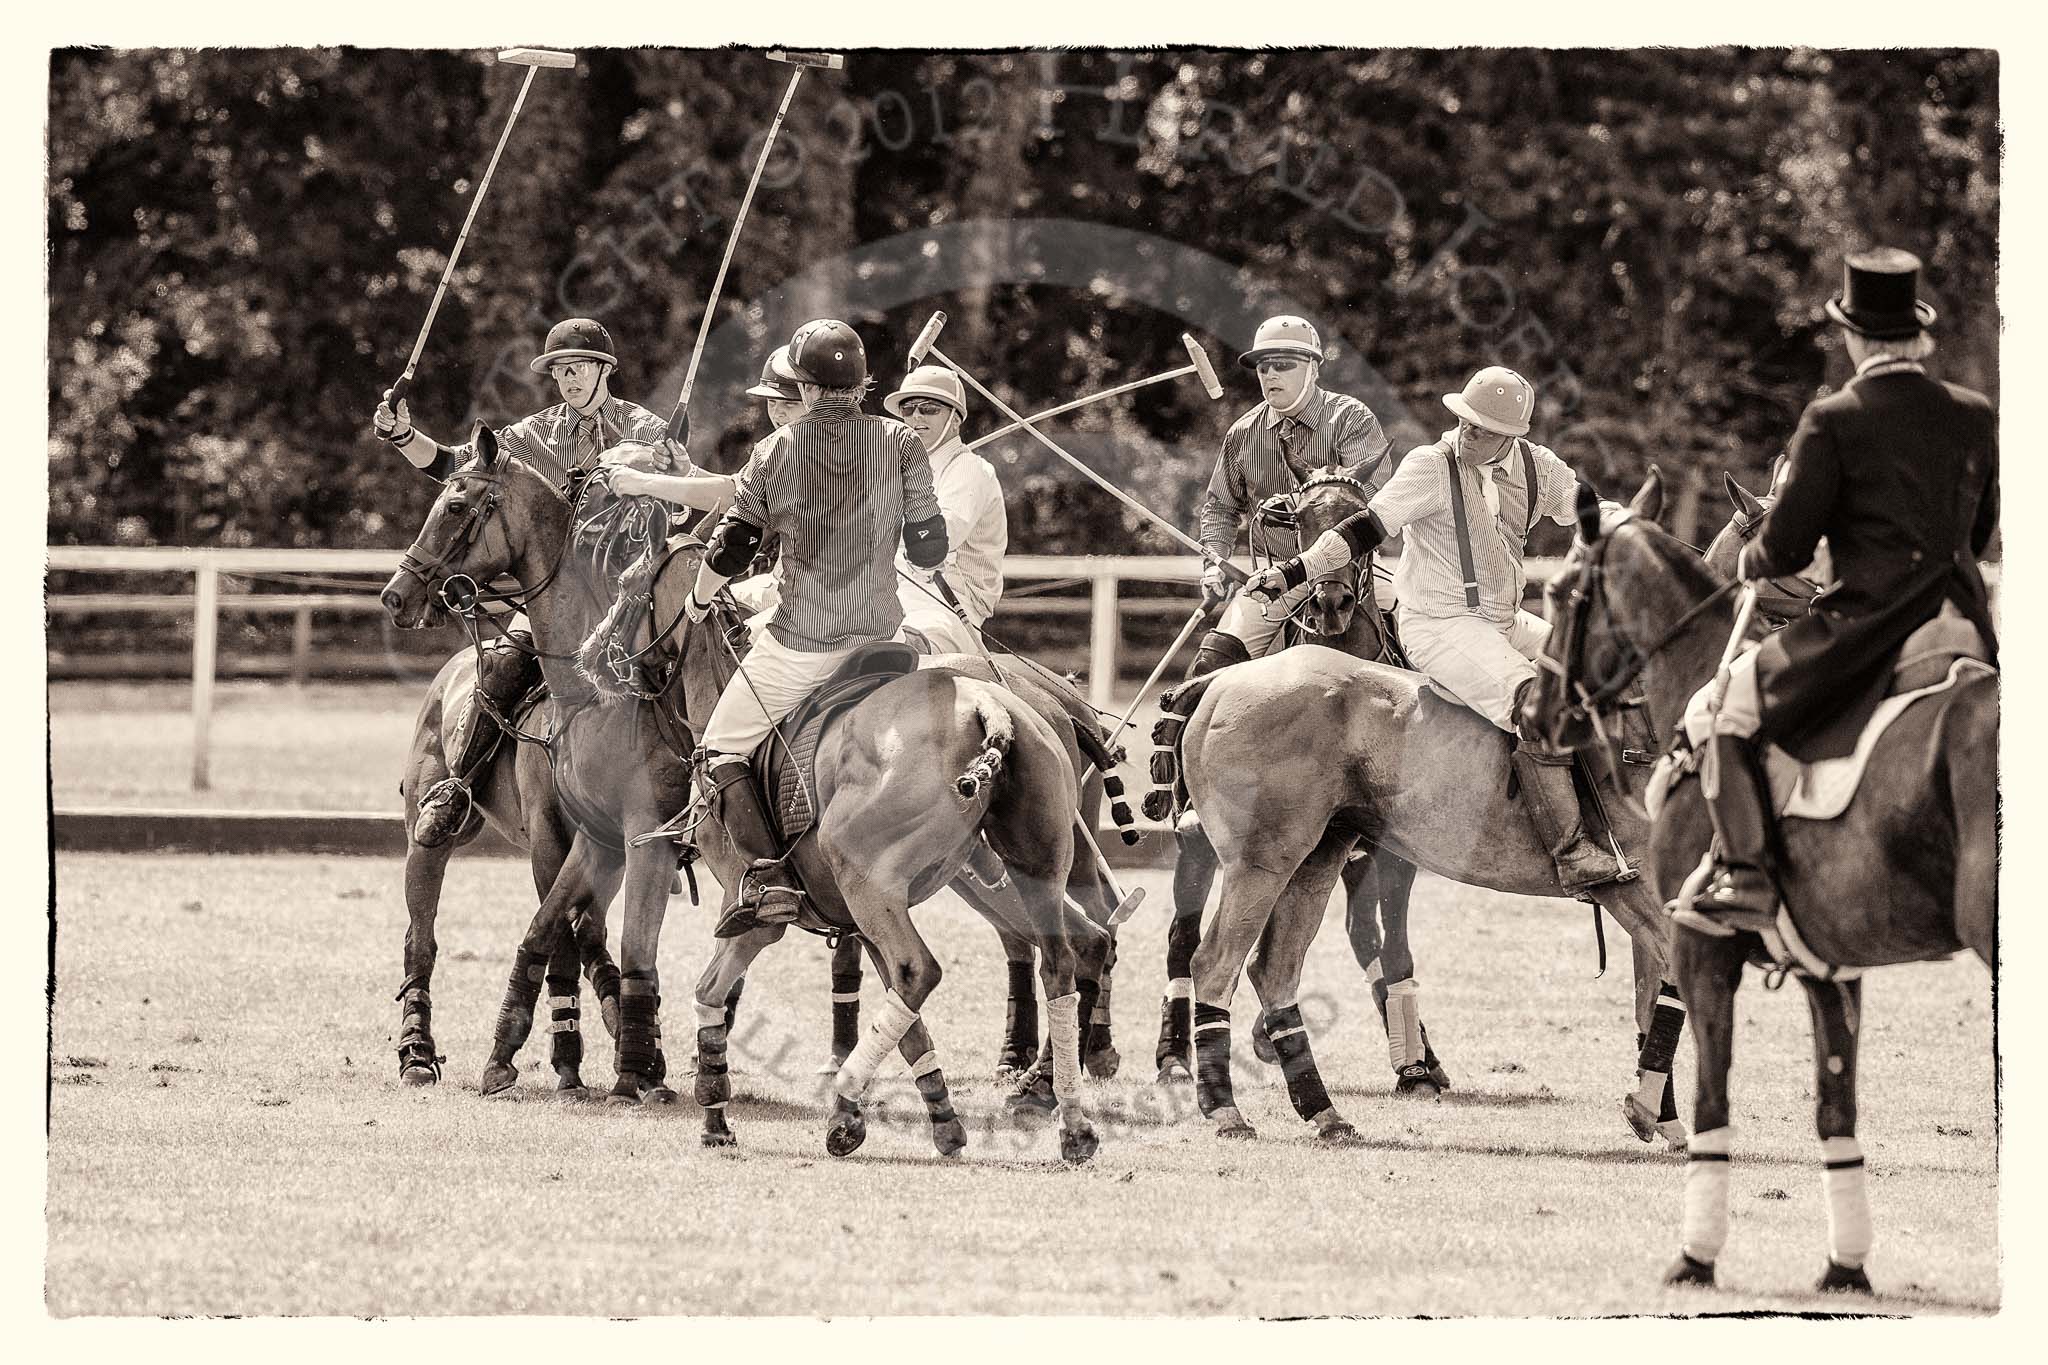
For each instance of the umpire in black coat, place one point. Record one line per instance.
(1900, 472)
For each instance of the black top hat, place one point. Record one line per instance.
(1880, 295)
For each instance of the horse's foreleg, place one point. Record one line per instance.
(846, 975)
(565, 1016)
(529, 966)
(1709, 971)
(1651, 1109)
(1276, 976)
(643, 1067)
(949, 1135)
(1194, 871)
(1098, 1048)
(1248, 896)
(716, 987)
(1837, 1008)
(425, 869)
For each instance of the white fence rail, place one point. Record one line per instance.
(1103, 573)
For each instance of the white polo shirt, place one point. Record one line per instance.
(977, 533)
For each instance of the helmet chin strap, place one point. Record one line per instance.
(599, 392)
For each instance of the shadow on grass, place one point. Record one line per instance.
(1457, 1099)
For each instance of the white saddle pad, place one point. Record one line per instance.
(1822, 791)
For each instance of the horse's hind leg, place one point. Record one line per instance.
(1276, 976)
(1249, 893)
(1020, 1007)
(846, 975)
(1417, 1071)
(910, 973)
(529, 968)
(1709, 970)
(1194, 871)
(1652, 1108)
(425, 870)
(1837, 1008)
(921, 1054)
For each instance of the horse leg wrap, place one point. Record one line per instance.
(1290, 1039)
(845, 1012)
(565, 1023)
(515, 1015)
(1655, 1051)
(1175, 1021)
(891, 1022)
(1020, 1018)
(640, 1029)
(714, 1085)
(1119, 809)
(931, 1085)
(1064, 1014)
(1212, 1059)
(1843, 1181)
(1706, 1194)
(416, 1030)
(1404, 1023)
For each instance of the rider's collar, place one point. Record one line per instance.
(1308, 413)
(594, 411)
(1882, 363)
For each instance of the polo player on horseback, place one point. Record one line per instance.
(933, 404)
(1460, 592)
(587, 428)
(1298, 428)
(1899, 472)
(839, 486)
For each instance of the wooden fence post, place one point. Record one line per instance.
(302, 645)
(1103, 626)
(205, 636)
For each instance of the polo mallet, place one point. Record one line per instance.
(679, 420)
(1126, 903)
(1195, 618)
(1199, 366)
(533, 59)
(926, 344)
(1745, 609)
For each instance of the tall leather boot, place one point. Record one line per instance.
(1553, 805)
(504, 674)
(1218, 649)
(768, 892)
(1739, 802)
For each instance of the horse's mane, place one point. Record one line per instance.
(1681, 560)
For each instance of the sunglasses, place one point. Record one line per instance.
(573, 369)
(1278, 365)
(922, 408)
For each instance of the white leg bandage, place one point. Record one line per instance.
(708, 1015)
(1181, 988)
(1375, 973)
(1706, 1194)
(1064, 1015)
(925, 1065)
(1843, 1181)
(892, 1020)
(1404, 1023)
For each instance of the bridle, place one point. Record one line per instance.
(1282, 512)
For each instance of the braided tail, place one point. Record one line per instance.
(998, 729)
(1099, 753)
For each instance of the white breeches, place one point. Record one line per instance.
(1479, 662)
(772, 679)
(937, 623)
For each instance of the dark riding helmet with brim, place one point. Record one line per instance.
(827, 353)
(777, 379)
(575, 339)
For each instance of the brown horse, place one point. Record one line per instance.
(514, 795)
(884, 833)
(1907, 873)
(1339, 613)
(1295, 758)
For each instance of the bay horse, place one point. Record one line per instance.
(1338, 612)
(515, 796)
(891, 822)
(886, 838)
(1295, 758)
(1907, 872)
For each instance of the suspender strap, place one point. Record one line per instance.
(1528, 488)
(1465, 569)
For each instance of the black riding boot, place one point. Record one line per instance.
(504, 673)
(1739, 801)
(1218, 649)
(1553, 805)
(768, 892)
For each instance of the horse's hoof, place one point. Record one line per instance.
(1103, 1063)
(1438, 1075)
(1674, 1134)
(1231, 1124)
(657, 1095)
(949, 1138)
(498, 1078)
(847, 1133)
(1173, 1071)
(728, 1138)
(1031, 1101)
(1263, 1049)
(1844, 1279)
(570, 1090)
(419, 1073)
(1339, 1134)
(1079, 1145)
(1641, 1121)
(1414, 1081)
(1685, 1270)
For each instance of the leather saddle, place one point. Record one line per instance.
(1922, 662)
(784, 763)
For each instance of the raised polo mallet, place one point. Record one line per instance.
(927, 344)
(679, 419)
(533, 59)
(1199, 366)
(1195, 618)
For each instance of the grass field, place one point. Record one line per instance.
(228, 1135)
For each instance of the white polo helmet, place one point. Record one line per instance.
(1497, 399)
(929, 381)
(1283, 336)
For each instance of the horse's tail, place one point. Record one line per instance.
(1097, 751)
(998, 731)
(1176, 704)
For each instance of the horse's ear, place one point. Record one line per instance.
(1744, 500)
(1589, 512)
(485, 441)
(1648, 502)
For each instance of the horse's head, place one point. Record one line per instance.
(481, 525)
(1588, 660)
(1778, 599)
(1328, 496)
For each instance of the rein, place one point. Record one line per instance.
(1282, 512)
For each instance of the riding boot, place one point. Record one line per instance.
(767, 892)
(1739, 802)
(1553, 804)
(1219, 649)
(503, 675)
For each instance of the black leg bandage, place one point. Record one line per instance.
(1212, 1059)
(1304, 1083)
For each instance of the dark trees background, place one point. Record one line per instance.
(243, 244)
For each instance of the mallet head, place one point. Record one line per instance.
(1204, 371)
(537, 56)
(831, 61)
(926, 339)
